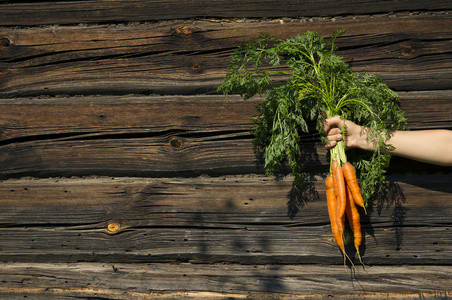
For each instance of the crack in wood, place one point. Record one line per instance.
(226, 135)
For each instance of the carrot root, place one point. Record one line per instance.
(354, 221)
(337, 224)
(352, 183)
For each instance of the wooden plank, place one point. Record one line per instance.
(246, 220)
(160, 135)
(28, 118)
(68, 12)
(198, 281)
(410, 52)
(23, 119)
(422, 115)
(196, 135)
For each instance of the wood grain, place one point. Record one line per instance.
(217, 281)
(68, 12)
(191, 57)
(246, 220)
(127, 90)
(160, 135)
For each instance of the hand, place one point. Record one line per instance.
(354, 135)
(332, 128)
(430, 146)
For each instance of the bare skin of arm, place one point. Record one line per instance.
(430, 146)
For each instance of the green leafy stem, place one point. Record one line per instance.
(319, 85)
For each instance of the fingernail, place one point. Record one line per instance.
(339, 137)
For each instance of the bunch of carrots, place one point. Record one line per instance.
(319, 85)
(343, 194)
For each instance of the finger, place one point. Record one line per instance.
(331, 144)
(333, 138)
(334, 132)
(326, 126)
(332, 122)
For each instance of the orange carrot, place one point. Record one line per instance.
(352, 182)
(333, 173)
(340, 218)
(338, 176)
(332, 211)
(333, 166)
(341, 224)
(354, 221)
(333, 214)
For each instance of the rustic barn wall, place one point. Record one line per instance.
(124, 175)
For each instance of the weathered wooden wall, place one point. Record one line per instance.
(125, 176)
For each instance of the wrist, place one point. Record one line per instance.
(362, 140)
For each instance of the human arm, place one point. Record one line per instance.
(430, 146)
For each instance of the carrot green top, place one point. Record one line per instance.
(316, 84)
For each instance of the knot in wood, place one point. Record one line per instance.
(176, 143)
(196, 68)
(184, 30)
(407, 50)
(5, 42)
(113, 227)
